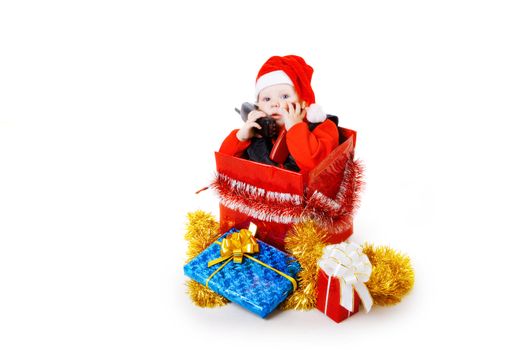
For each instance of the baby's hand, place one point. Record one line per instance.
(246, 132)
(293, 113)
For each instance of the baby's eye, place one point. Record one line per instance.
(266, 99)
(285, 96)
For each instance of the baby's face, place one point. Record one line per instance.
(275, 96)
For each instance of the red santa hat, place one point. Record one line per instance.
(291, 70)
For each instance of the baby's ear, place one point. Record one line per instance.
(315, 114)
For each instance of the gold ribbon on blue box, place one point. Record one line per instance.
(241, 245)
(236, 246)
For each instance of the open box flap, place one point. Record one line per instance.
(327, 176)
(332, 192)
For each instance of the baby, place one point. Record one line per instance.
(283, 92)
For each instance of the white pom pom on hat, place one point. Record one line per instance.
(315, 114)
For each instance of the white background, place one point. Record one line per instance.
(109, 116)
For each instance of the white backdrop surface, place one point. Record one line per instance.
(110, 112)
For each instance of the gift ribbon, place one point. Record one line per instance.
(348, 263)
(237, 246)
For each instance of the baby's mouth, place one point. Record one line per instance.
(276, 116)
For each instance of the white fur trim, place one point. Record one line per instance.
(272, 78)
(315, 114)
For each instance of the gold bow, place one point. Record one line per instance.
(237, 245)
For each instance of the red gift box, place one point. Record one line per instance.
(329, 298)
(274, 198)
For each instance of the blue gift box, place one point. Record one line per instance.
(250, 284)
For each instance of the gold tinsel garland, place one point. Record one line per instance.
(391, 279)
(392, 274)
(202, 230)
(305, 242)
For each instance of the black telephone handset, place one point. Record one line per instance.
(279, 152)
(268, 124)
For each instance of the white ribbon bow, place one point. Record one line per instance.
(351, 266)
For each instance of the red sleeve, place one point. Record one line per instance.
(309, 148)
(232, 146)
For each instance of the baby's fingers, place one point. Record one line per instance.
(254, 115)
(303, 114)
(291, 108)
(297, 108)
(253, 125)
